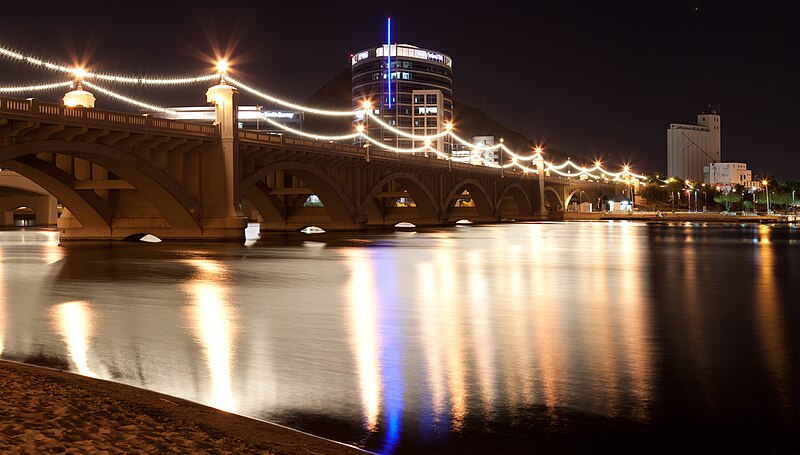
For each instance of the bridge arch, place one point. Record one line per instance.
(427, 208)
(484, 206)
(552, 196)
(339, 208)
(175, 205)
(521, 199)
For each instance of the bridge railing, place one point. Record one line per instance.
(35, 108)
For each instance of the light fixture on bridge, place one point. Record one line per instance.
(79, 98)
(448, 126)
(360, 128)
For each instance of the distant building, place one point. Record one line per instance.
(415, 95)
(250, 117)
(691, 147)
(728, 175)
(465, 153)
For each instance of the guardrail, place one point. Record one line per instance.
(35, 108)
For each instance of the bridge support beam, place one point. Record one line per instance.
(539, 162)
(222, 214)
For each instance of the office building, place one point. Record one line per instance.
(691, 147)
(409, 88)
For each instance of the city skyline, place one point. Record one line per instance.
(602, 81)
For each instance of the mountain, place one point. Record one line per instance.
(469, 121)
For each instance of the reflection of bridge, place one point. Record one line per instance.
(122, 174)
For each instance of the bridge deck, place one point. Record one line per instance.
(34, 110)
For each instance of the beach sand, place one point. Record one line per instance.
(49, 411)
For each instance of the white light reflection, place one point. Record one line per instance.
(481, 313)
(429, 315)
(451, 333)
(519, 374)
(631, 317)
(213, 322)
(75, 324)
(771, 327)
(365, 339)
(52, 252)
(545, 323)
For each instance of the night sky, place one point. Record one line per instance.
(600, 79)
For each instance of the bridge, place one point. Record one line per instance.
(119, 175)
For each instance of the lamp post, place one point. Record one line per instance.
(766, 188)
(502, 172)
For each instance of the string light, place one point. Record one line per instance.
(240, 85)
(312, 136)
(126, 99)
(82, 73)
(34, 88)
(595, 172)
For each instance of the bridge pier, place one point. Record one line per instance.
(222, 216)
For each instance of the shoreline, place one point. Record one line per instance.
(44, 409)
(668, 216)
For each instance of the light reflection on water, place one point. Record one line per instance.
(212, 321)
(460, 339)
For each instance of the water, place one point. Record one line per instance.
(548, 337)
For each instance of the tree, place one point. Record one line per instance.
(728, 199)
(675, 185)
(654, 193)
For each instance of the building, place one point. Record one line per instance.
(407, 87)
(250, 117)
(691, 147)
(728, 175)
(463, 153)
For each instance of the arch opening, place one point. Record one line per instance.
(74, 172)
(292, 196)
(400, 197)
(24, 216)
(469, 200)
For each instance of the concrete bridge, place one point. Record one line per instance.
(119, 175)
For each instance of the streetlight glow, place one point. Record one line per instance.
(222, 66)
(79, 72)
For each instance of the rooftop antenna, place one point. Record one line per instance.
(389, 58)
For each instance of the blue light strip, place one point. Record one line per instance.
(389, 57)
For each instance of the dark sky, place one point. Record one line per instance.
(599, 79)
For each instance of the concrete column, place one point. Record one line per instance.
(539, 163)
(222, 215)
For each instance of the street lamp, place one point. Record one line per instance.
(705, 199)
(766, 188)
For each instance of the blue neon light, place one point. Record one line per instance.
(389, 58)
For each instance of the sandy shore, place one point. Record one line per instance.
(44, 410)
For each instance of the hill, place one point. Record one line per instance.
(469, 121)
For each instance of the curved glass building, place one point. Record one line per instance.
(409, 88)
